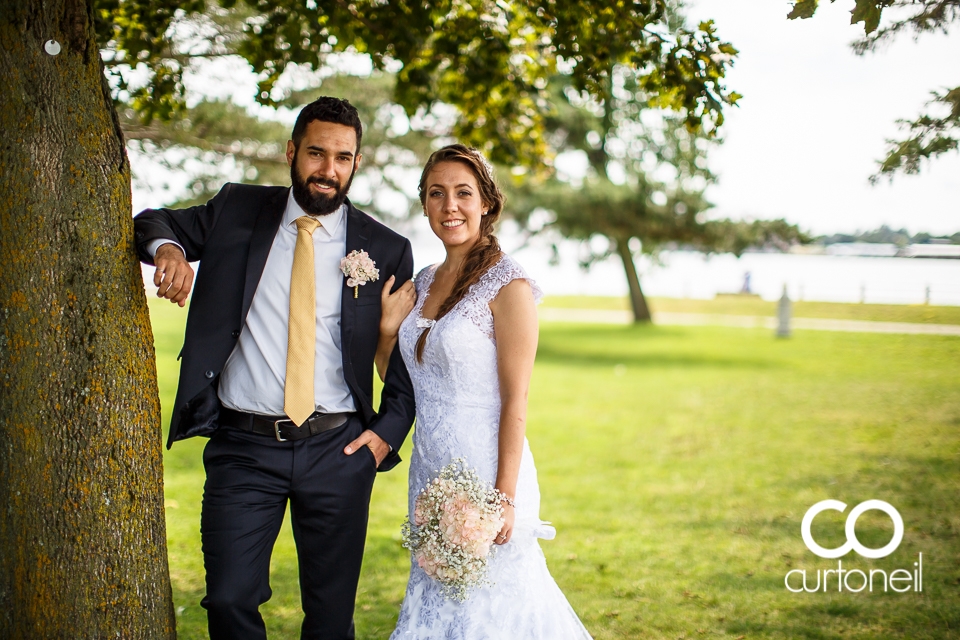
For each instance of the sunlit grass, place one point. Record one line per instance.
(676, 463)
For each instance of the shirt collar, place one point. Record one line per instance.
(329, 223)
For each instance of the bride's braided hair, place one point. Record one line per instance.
(486, 252)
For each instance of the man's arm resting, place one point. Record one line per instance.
(397, 411)
(152, 246)
(397, 407)
(189, 227)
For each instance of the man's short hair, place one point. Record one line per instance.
(327, 109)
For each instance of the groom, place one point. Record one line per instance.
(278, 371)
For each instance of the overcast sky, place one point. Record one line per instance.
(814, 118)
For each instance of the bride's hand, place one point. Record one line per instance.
(395, 306)
(509, 517)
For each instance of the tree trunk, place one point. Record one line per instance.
(82, 533)
(641, 313)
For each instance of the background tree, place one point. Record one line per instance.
(932, 133)
(644, 184)
(215, 141)
(489, 59)
(82, 550)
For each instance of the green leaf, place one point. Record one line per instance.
(868, 12)
(803, 9)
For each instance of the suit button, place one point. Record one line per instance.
(209, 375)
(235, 333)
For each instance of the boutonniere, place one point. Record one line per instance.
(359, 269)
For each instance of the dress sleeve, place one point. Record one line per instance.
(502, 274)
(421, 272)
(421, 278)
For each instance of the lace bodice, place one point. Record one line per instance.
(456, 385)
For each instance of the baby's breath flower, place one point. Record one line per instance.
(456, 517)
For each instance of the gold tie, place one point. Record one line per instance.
(298, 399)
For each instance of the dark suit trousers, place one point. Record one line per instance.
(250, 478)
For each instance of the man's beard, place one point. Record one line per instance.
(318, 204)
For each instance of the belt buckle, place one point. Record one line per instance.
(276, 428)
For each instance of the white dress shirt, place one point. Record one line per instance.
(253, 377)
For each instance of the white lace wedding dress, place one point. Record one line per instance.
(458, 413)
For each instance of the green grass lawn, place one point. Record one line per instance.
(677, 463)
(752, 306)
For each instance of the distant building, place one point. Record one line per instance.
(866, 249)
(930, 251)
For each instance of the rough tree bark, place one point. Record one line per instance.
(638, 302)
(82, 534)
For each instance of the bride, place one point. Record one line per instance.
(469, 345)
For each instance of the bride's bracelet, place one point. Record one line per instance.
(510, 501)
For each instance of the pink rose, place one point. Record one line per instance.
(419, 513)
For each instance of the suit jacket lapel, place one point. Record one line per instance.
(357, 240)
(264, 231)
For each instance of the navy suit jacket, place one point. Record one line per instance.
(231, 236)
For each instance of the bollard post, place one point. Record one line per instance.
(783, 315)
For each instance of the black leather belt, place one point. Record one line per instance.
(282, 428)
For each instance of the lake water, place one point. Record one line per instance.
(686, 274)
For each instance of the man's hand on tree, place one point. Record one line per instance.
(174, 275)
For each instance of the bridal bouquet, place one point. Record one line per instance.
(455, 520)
